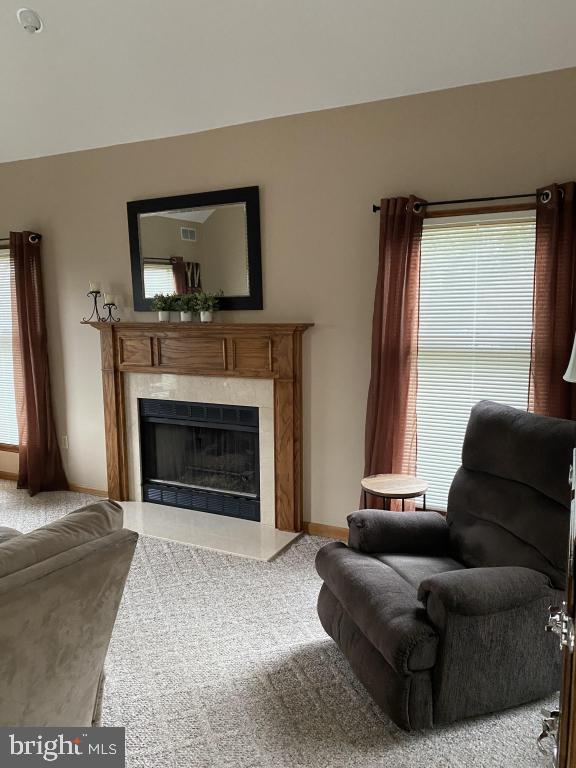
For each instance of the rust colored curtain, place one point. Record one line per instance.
(40, 467)
(554, 313)
(179, 273)
(390, 438)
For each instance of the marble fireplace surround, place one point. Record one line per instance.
(257, 364)
(258, 393)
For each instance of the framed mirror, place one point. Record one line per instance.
(208, 241)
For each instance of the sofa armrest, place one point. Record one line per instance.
(97, 714)
(412, 533)
(483, 591)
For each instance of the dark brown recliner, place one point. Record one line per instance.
(443, 618)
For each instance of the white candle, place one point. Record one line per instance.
(109, 298)
(94, 286)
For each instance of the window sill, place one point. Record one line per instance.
(9, 448)
(431, 509)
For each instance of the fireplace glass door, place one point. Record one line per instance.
(201, 456)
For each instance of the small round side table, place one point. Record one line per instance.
(396, 487)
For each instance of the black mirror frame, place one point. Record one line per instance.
(248, 195)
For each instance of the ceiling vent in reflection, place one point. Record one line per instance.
(188, 233)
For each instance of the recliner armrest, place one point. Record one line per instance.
(483, 591)
(412, 533)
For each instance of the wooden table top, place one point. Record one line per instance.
(395, 486)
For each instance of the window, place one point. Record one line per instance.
(476, 286)
(158, 278)
(8, 425)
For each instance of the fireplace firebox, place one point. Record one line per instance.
(200, 456)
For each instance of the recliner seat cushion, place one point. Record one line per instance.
(415, 568)
(382, 604)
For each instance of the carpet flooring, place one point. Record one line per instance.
(219, 661)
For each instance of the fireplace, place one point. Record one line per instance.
(201, 456)
(240, 364)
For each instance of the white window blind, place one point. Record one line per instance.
(158, 278)
(8, 425)
(476, 286)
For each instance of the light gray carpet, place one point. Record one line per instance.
(218, 661)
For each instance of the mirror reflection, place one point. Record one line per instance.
(191, 249)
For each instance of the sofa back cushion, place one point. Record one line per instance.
(7, 533)
(86, 524)
(509, 503)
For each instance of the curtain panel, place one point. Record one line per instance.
(390, 435)
(554, 314)
(179, 273)
(40, 463)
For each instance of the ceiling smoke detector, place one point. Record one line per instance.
(30, 20)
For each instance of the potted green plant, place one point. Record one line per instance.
(207, 304)
(187, 306)
(163, 303)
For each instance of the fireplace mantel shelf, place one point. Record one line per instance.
(237, 350)
(205, 327)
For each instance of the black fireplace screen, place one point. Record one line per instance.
(201, 456)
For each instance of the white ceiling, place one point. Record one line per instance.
(111, 71)
(197, 215)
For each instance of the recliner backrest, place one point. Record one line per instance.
(509, 503)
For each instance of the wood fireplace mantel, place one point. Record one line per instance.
(247, 350)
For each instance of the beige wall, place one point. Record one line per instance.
(319, 174)
(160, 239)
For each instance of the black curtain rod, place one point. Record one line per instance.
(376, 208)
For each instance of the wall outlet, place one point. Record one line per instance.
(65, 442)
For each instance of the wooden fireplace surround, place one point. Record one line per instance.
(247, 350)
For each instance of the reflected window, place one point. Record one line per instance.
(158, 278)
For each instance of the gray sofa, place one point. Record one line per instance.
(443, 618)
(60, 588)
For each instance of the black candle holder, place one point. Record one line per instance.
(110, 316)
(95, 316)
